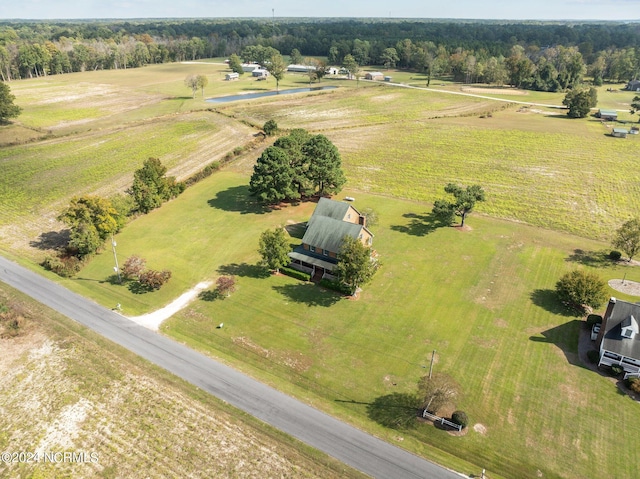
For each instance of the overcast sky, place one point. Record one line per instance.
(475, 9)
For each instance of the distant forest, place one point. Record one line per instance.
(549, 56)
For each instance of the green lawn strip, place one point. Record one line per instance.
(104, 362)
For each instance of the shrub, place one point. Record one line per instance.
(65, 266)
(133, 267)
(593, 319)
(617, 370)
(634, 384)
(615, 255)
(153, 279)
(460, 418)
(225, 285)
(593, 356)
(294, 273)
(270, 127)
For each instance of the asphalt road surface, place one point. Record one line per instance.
(336, 438)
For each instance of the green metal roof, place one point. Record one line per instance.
(327, 233)
(331, 208)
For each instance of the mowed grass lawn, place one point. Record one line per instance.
(483, 299)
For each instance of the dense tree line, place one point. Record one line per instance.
(544, 56)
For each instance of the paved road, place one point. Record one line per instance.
(346, 443)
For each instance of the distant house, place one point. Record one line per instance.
(374, 76)
(249, 67)
(331, 71)
(619, 133)
(609, 115)
(388, 78)
(260, 73)
(618, 339)
(633, 85)
(232, 76)
(330, 223)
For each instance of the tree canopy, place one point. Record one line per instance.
(273, 249)
(627, 238)
(7, 108)
(325, 165)
(464, 202)
(581, 290)
(580, 102)
(355, 266)
(276, 67)
(151, 187)
(272, 178)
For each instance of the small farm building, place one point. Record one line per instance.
(633, 85)
(619, 133)
(374, 76)
(610, 115)
(232, 76)
(260, 73)
(301, 68)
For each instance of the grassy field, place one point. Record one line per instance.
(67, 389)
(482, 298)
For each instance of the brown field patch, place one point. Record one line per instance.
(494, 91)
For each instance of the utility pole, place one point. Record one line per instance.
(116, 268)
(433, 355)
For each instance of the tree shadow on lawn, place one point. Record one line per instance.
(210, 295)
(237, 198)
(395, 411)
(244, 270)
(420, 225)
(51, 240)
(548, 300)
(595, 259)
(309, 294)
(566, 337)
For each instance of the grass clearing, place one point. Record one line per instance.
(67, 389)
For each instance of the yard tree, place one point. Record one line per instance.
(580, 101)
(273, 249)
(465, 200)
(351, 65)
(581, 290)
(325, 165)
(225, 285)
(91, 219)
(276, 67)
(235, 64)
(151, 187)
(270, 127)
(293, 144)
(191, 81)
(7, 108)
(272, 178)
(201, 82)
(627, 237)
(437, 391)
(355, 266)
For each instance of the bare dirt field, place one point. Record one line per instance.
(61, 393)
(494, 91)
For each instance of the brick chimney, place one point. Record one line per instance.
(605, 318)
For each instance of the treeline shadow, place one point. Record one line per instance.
(51, 240)
(566, 337)
(548, 299)
(594, 259)
(237, 199)
(309, 294)
(419, 225)
(395, 411)
(245, 270)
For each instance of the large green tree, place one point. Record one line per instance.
(351, 65)
(355, 266)
(91, 220)
(151, 187)
(464, 202)
(235, 64)
(7, 107)
(627, 238)
(581, 290)
(325, 165)
(276, 67)
(273, 249)
(272, 178)
(580, 101)
(293, 144)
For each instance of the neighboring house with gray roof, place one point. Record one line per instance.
(618, 339)
(330, 223)
(633, 85)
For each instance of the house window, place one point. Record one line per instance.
(325, 252)
(312, 249)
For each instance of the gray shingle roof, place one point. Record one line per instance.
(613, 340)
(332, 209)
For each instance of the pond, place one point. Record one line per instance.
(250, 96)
